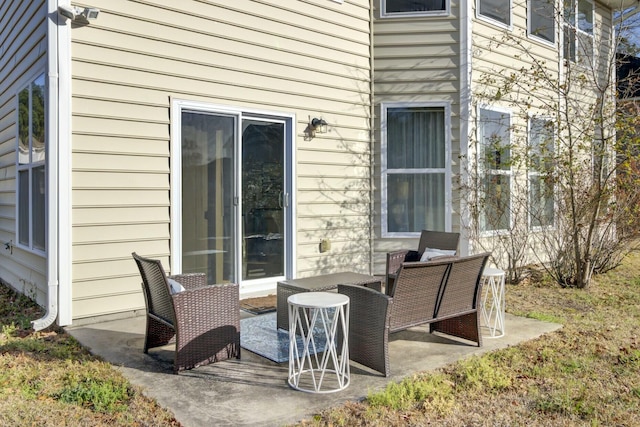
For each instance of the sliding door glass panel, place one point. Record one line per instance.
(207, 195)
(263, 199)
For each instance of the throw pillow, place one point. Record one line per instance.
(175, 286)
(431, 253)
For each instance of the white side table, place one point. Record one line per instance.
(493, 303)
(326, 314)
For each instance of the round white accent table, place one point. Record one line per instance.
(314, 316)
(493, 303)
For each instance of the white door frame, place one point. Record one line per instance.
(177, 107)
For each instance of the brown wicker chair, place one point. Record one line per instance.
(428, 239)
(205, 319)
(444, 294)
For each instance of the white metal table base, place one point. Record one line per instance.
(493, 303)
(328, 313)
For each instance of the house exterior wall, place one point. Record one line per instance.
(506, 54)
(416, 60)
(422, 59)
(23, 56)
(502, 54)
(304, 58)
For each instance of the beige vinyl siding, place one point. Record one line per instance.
(500, 52)
(308, 58)
(22, 58)
(497, 54)
(416, 60)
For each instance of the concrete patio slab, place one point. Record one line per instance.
(254, 391)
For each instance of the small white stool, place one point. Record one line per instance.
(493, 297)
(328, 313)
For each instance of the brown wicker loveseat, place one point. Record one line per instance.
(444, 294)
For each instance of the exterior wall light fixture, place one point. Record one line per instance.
(318, 125)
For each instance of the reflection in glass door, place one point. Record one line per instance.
(263, 199)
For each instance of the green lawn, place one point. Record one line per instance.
(48, 379)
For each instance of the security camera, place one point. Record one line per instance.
(68, 12)
(90, 13)
(77, 14)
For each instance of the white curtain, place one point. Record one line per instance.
(415, 169)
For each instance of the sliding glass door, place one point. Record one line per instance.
(235, 220)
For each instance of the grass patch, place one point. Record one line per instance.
(480, 373)
(101, 396)
(545, 317)
(433, 391)
(48, 379)
(564, 404)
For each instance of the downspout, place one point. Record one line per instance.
(372, 143)
(466, 54)
(52, 170)
(59, 170)
(64, 225)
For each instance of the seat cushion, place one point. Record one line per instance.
(432, 253)
(175, 286)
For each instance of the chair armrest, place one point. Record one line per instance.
(395, 260)
(369, 318)
(190, 280)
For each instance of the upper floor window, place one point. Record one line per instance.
(578, 29)
(541, 20)
(496, 10)
(413, 7)
(585, 16)
(495, 167)
(541, 185)
(416, 168)
(31, 197)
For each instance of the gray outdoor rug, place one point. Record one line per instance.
(260, 335)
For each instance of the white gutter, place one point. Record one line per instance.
(58, 173)
(372, 142)
(466, 46)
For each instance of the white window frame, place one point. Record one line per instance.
(574, 27)
(29, 167)
(494, 172)
(384, 107)
(593, 23)
(491, 20)
(530, 33)
(385, 14)
(531, 172)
